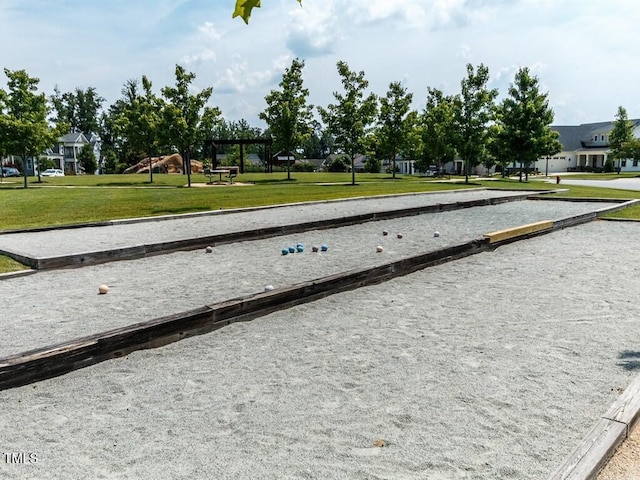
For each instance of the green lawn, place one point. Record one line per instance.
(79, 199)
(69, 200)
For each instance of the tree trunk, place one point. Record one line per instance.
(353, 169)
(520, 174)
(24, 168)
(188, 162)
(150, 166)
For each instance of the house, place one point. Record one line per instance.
(585, 148)
(65, 154)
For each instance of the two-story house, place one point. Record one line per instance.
(585, 148)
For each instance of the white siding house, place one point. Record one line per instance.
(585, 148)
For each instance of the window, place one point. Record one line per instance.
(624, 163)
(602, 138)
(635, 163)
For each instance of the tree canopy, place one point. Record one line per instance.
(288, 115)
(349, 118)
(621, 138)
(526, 117)
(437, 130)
(394, 122)
(24, 129)
(186, 118)
(474, 110)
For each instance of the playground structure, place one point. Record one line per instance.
(165, 164)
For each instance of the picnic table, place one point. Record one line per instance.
(229, 173)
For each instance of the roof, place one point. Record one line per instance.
(73, 137)
(575, 137)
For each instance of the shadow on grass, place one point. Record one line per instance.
(630, 360)
(175, 211)
(129, 184)
(275, 181)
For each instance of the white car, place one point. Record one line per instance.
(53, 172)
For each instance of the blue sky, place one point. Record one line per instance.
(584, 52)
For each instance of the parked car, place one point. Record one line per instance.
(10, 172)
(52, 172)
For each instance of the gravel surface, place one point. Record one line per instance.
(54, 306)
(147, 231)
(493, 366)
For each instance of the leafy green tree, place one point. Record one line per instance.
(112, 130)
(186, 119)
(393, 122)
(349, 118)
(340, 163)
(244, 7)
(87, 160)
(526, 117)
(110, 161)
(139, 121)
(287, 114)
(497, 148)
(621, 137)
(437, 130)
(79, 109)
(372, 165)
(317, 144)
(23, 118)
(474, 110)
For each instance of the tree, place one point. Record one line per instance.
(288, 115)
(497, 148)
(244, 7)
(23, 118)
(139, 121)
(526, 117)
(348, 119)
(186, 120)
(79, 109)
(318, 144)
(393, 122)
(437, 129)
(87, 159)
(340, 163)
(621, 137)
(473, 112)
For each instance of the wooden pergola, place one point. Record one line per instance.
(242, 142)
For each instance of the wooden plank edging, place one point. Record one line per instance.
(515, 232)
(51, 361)
(600, 443)
(40, 364)
(140, 251)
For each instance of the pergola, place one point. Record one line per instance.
(242, 142)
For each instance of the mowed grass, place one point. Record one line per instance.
(10, 265)
(84, 199)
(65, 204)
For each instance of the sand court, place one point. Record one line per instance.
(492, 366)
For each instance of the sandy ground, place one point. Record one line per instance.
(53, 306)
(493, 366)
(126, 234)
(625, 464)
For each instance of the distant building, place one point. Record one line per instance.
(585, 148)
(65, 154)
